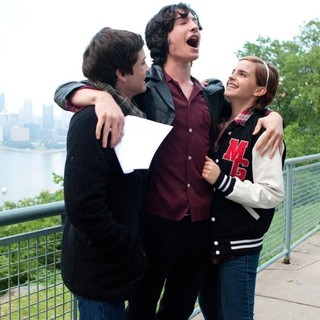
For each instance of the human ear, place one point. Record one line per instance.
(120, 75)
(260, 91)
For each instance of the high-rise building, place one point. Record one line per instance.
(1, 102)
(47, 116)
(1, 134)
(26, 113)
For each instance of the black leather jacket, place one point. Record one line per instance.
(157, 103)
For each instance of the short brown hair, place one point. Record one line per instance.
(109, 50)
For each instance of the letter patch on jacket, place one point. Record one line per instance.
(235, 154)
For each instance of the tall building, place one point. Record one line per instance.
(7, 121)
(1, 102)
(47, 116)
(26, 113)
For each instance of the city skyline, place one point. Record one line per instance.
(37, 112)
(26, 130)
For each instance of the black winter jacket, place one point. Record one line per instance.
(102, 253)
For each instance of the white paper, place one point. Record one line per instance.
(141, 139)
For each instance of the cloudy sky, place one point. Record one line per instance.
(42, 41)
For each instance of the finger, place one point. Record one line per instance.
(263, 142)
(281, 149)
(114, 136)
(273, 151)
(104, 130)
(277, 147)
(271, 146)
(257, 128)
(116, 132)
(98, 129)
(264, 148)
(105, 135)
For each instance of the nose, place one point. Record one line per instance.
(194, 26)
(147, 68)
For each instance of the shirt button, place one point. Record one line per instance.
(213, 219)
(189, 157)
(216, 243)
(217, 252)
(217, 161)
(190, 130)
(188, 185)
(229, 133)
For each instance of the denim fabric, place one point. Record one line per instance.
(97, 310)
(235, 282)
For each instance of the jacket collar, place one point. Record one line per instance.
(155, 73)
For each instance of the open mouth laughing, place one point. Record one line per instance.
(193, 41)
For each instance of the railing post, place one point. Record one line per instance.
(288, 213)
(75, 308)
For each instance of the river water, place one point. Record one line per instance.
(25, 173)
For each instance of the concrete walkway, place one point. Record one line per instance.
(290, 291)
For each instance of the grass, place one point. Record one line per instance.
(31, 303)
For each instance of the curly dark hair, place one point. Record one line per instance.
(157, 29)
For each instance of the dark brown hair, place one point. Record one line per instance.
(157, 29)
(109, 50)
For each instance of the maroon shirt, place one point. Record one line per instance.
(177, 187)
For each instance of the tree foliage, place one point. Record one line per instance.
(41, 253)
(298, 98)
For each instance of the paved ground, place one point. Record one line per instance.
(290, 291)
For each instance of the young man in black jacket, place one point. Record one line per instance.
(103, 259)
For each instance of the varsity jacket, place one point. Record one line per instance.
(246, 192)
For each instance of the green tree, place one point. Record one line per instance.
(298, 99)
(33, 254)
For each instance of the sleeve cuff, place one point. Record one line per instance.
(69, 106)
(224, 183)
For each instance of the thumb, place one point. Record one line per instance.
(257, 128)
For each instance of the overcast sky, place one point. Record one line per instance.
(42, 41)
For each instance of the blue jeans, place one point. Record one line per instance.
(229, 289)
(97, 310)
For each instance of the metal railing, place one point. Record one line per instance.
(30, 282)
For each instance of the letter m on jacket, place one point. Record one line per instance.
(235, 154)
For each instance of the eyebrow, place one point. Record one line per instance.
(182, 16)
(241, 70)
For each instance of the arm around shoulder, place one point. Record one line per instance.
(273, 139)
(65, 91)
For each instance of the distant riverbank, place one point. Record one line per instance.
(40, 150)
